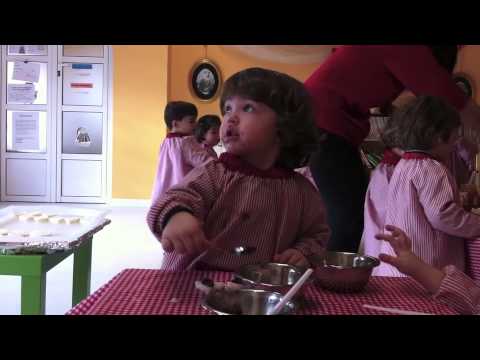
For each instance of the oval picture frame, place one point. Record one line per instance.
(205, 80)
(465, 83)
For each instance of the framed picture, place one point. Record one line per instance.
(205, 80)
(465, 83)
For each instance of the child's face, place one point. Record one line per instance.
(249, 130)
(185, 125)
(212, 137)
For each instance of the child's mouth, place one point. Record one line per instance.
(231, 134)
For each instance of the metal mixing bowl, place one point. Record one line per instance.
(245, 302)
(269, 276)
(344, 272)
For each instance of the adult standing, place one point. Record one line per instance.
(351, 81)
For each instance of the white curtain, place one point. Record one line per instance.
(287, 54)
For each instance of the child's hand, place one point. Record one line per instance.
(406, 261)
(466, 201)
(469, 197)
(293, 257)
(184, 234)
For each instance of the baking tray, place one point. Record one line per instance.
(47, 229)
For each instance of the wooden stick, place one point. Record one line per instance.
(291, 293)
(196, 260)
(394, 311)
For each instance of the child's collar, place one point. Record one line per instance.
(175, 134)
(235, 163)
(390, 157)
(417, 155)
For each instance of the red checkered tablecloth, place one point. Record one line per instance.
(156, 292)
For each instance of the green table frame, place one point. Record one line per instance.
(33, 270)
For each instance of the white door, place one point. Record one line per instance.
(55, 123)
(82, 123)
(28, 143)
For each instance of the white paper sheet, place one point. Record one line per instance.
(25, 131)
(21, 93)
(26, 71)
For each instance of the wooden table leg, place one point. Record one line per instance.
(82, 266)
(33, 294)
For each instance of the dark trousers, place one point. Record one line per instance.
(342, 181)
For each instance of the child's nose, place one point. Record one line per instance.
(233, 118)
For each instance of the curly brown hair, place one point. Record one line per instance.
(422, 121)
(289, 99)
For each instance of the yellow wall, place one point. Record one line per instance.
(146, 77)
(142, 76)
(140, 96)
(183, 57)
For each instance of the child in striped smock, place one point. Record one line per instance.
(423, 198)
(250, 196)
(179, 152)
(207, 133)
(375, 198)
(460, 163)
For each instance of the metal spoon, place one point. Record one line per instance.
(243, 250)
(236, 250)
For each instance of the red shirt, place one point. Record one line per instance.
(356, 78)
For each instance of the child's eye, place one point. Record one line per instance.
(227, 108)
(248, 108)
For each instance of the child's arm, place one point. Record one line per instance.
(449, 286)
(176, 217)
(194, 154)
(314, 231)
(459, 292)
(437, 196)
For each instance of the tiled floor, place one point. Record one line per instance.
(125, 243)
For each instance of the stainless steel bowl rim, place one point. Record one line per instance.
(237, 274)
(208, 307)
(375, 263)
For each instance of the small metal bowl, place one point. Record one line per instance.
(269, 276)
(344, 272)
(245, 302)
